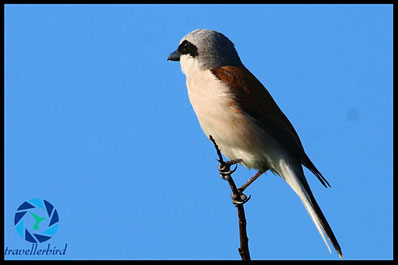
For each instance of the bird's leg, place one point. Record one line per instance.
(238, 198)
(250, 181)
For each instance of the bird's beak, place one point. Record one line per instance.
(175, 56)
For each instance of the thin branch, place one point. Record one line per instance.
(238, 199)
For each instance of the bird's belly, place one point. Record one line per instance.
(235, 132)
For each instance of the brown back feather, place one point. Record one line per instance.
(254, 99)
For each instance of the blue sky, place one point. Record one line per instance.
(99, 124)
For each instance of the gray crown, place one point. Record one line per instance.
(213, 49)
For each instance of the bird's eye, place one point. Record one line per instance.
(184, 47)
(188, 48)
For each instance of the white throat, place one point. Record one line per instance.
(189, 64)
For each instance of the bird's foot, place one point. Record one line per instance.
(225, 167)
(240, 198)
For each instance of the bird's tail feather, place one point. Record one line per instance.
(296, 179)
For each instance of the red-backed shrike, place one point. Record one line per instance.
(239, 113)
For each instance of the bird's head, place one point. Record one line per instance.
(205, 49)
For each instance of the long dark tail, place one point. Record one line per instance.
(296, 179)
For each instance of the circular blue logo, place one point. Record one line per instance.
(36, 220)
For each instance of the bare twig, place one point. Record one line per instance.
(238, 199)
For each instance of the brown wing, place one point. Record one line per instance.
(254, 99)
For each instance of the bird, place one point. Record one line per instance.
(38, 220)
(236, 110)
